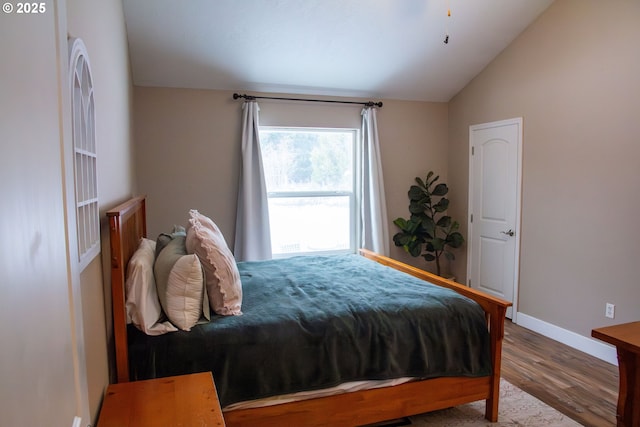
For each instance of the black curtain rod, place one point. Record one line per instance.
(252, 97)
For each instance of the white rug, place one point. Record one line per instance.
(516, 408)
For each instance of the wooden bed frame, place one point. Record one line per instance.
(127, 223)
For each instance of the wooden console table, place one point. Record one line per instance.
(626, 338)
(185, 400)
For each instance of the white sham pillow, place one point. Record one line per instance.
(223, 284)
(180, 284)
(142, 304)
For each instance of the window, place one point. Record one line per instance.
(311, 184)
(85, 155)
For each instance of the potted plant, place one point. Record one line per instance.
(428, 232)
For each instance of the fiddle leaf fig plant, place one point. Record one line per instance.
(428, 232)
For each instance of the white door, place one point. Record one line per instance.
(494, 203)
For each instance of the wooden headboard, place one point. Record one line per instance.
(127, 225)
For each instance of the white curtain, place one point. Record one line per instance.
(253, 238)
(375, 233)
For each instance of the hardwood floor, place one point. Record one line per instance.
(580, 386)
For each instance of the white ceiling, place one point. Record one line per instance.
(387, 49)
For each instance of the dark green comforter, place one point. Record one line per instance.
(315, 322)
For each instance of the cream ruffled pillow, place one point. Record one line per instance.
(224, 287)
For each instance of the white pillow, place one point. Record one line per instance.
(142, 304)
(180, 284)
(221, 272)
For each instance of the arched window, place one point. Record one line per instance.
(85, 154)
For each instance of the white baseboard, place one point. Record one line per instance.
(585, 344)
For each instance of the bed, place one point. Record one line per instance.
(423, 393)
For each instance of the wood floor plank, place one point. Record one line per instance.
(580, 386)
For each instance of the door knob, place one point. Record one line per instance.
(508, 233)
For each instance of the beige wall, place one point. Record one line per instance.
(100, 24)
(46, 377)
(37, 385)
(574, 77)
(188, 149)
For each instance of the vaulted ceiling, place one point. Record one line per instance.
(392, 49)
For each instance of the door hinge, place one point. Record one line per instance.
(472, 218)
(469, 282)
(473, 150)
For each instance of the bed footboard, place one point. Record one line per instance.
(495, 311)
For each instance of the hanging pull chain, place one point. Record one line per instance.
(446, 26)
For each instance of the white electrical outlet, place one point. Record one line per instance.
(610, 311)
